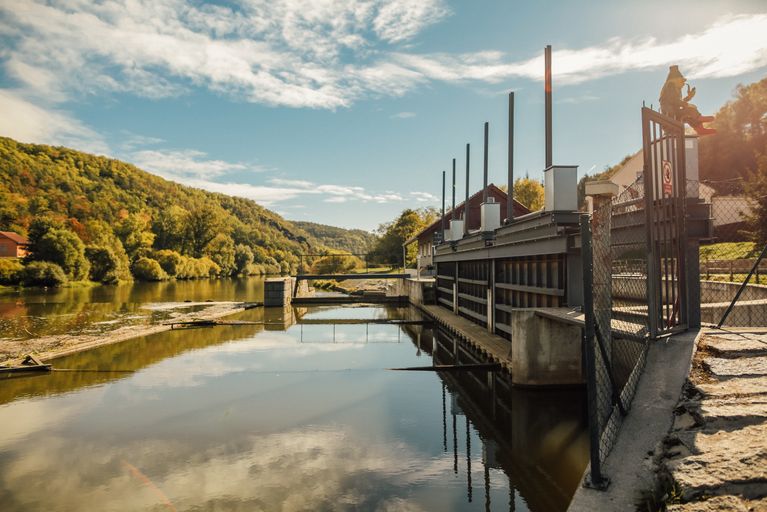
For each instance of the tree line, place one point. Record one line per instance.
(91, 217)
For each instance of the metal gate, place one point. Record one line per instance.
(665, 184)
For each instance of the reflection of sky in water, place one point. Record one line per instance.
(264, 422)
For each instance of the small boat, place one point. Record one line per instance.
(29, 364)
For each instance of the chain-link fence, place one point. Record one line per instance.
(733, 269)
(616, 335)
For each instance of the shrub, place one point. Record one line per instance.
(104, 264)
(243, 258)
(10, 271)
(170, 261)
(148, 269)
(195, 268)
(64, 248)
(43, 273)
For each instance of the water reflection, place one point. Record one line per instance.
(32, 312)
(244, 418)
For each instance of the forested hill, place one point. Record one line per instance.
(349, 240)
(103, 200)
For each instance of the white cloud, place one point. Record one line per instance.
(24, 120)
(182, 167)
(403, 115)
(423, 197)
(187, 163)
(732, 46)
(321, 54)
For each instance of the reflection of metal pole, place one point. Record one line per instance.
(487, 484)
(468, 458)
(444, 420)
(512, 504)
(455, 446)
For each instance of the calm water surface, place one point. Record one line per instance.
(300, 416)
(82, 310)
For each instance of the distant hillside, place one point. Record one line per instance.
(92, 194)
(349, 240)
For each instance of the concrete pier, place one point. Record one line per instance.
(544, 351)
(277, 292)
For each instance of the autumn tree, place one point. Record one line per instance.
(529, 192)
(388, 248)
(202, 226)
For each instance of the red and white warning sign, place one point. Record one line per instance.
(668, 177)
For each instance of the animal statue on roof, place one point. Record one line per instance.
(674, 105)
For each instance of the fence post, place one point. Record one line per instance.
(594, 479)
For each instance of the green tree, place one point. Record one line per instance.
(202, 226)
(388, 248)
(169, 228)
(741, 136)
(221, 250)
(43, 273)
(756, 191)
(170, 261)
(99, 234)
(104, 264)
(529, 192)
(243, 258)
(147, 269)
(135, 235)
(63, 248)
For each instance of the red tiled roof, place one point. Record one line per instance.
(15, 237)
(519, 210)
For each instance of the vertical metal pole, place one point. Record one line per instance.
(452, 215)
(596, 480)
(484, 177)
(466, 201)
(442, 221)
(547, 91)
(510, 178)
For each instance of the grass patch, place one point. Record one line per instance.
(728, 251)
(736, 278)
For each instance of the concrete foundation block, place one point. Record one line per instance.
(277, 291)
(544, 352)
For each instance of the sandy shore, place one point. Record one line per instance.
(54, 346)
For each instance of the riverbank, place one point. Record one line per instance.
(55, 346)
(715, 457)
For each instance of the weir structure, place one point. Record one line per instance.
(564, 297)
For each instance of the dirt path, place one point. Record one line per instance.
(716, 454)
(51, 347)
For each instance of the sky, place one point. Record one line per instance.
(347, 112)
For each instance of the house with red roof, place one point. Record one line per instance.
(425, 237)
(12, 245)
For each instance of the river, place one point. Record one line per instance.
(299, 414)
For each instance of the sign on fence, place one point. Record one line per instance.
(668, 179)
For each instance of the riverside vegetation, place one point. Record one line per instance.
(94, 218)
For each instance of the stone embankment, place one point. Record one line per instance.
(715, 456)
